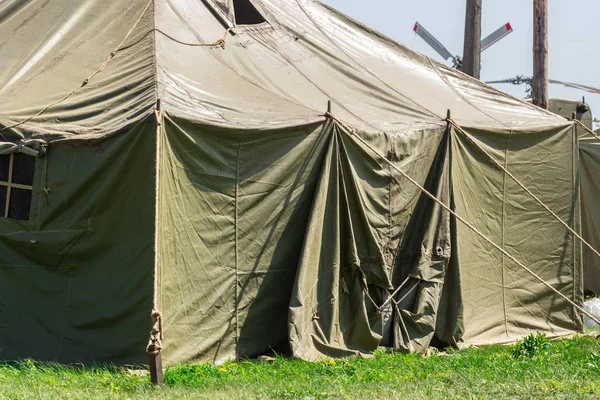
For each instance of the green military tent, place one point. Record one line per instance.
(179, 156)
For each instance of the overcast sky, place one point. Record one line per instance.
(574, 36)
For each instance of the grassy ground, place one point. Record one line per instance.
(535, 369)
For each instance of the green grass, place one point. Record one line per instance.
(534, 369)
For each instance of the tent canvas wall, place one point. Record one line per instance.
(589, 156)
(589, 161)
(248, 216)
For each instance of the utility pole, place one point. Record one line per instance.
(539, 93)
(472, 48)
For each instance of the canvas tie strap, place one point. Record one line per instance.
(352, 133)
(30, 147)
(219, 43)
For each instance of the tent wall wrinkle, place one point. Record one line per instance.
(338, 274)
(423, 258)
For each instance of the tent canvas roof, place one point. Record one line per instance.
(279, 73)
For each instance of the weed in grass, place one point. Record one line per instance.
(594, 362)
(530, 346)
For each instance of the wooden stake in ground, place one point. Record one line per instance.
(472, 49)
(156, 369)
(539, 94)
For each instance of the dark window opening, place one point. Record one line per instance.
(16, 185)
(4, 163)
(246, 14)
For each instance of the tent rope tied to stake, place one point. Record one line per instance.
(533, 196)
(351, 132)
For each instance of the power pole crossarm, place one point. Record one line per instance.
(539, 95)
(472, 49)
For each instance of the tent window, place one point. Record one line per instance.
(246, 13)
(16, 185)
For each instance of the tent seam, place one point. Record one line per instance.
(390, 235)
(236, 243)
(155, 52)
(503, 233)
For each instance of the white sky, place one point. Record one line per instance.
(574, 36)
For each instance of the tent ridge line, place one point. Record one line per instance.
(352, 133)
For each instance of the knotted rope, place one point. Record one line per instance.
(156, 334)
